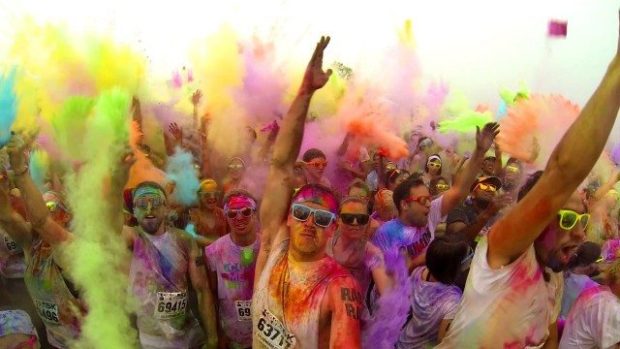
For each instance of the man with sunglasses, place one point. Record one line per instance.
(315, 163)
(477, 211)
(419, 214)
(164, 262)
(302, 297)
(513, 292)
(232, 262)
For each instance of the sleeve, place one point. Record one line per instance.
(458, 214)
(608, 324)
(452, 306)
(434, 215)
(374, 257)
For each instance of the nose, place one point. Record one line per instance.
(310, 221)
(149, 207)
(578, 234)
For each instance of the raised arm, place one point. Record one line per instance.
(569, 164)
(13, 223)
(606, 187)
(42, 223)
(462, 182)
(279, 188)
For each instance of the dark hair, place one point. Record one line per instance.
(433, 184)
(313, 153)
(529, 184)
(426, 164)
(402, 190)
(587, 253)
(391, 176)
(444, 257)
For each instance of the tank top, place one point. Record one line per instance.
(286, 306)
(158, 279)
(59, 309)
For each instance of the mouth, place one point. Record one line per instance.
(308, 234)
(568, 252)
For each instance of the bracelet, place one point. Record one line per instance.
(22, 172)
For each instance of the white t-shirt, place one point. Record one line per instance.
(594, 321)
(508, 307)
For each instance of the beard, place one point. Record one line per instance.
(150, 225)
(481, 203)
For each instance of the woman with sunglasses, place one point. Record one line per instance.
(232, 263)
(208, 218)
(435, 298)
(515, 278)
(235, 174)
(433, 168)
(350, 246)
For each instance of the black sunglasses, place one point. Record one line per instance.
(350, 218)
(245, 212)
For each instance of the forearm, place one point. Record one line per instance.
(498, 161)
(288, 141)
(588, 134)
(33, 199)
(208, 315)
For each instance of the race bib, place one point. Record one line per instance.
(170, 305)
(11, 245)
(243, 310)
(47, 311)
(273, 333)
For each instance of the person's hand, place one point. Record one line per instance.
(315, 77)
(196, 96)
(486, 137)
(17, 147)
(176, 131)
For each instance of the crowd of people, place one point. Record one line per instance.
(437, 249)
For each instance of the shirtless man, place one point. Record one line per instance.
(302, 297)
(513, 292)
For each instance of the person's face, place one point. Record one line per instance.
(299, 177)
(240, 219)
(434, 166)
(415, 208)
(512, 174)
(208, 199)
(385, 207)
(358, 192)
(376, 161)
(484, 193)
(236, 169)
(354, 220)
(150, 212)
(488, 166)
(316, 167)
(308, 238)
(440, 187)
(556, 245)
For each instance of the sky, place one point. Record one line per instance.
(476, 46)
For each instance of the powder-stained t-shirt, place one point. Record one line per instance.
(594, 321)
(507, 307)
(394, 235)
(234, 266)
(431, 302)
